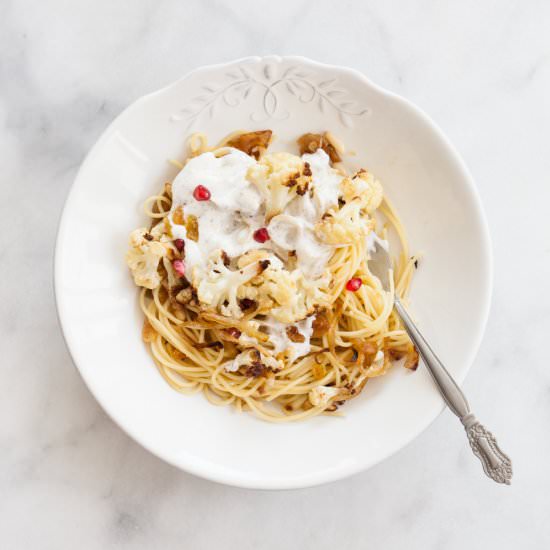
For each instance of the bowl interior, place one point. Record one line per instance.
(97, 301)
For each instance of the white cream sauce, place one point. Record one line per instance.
(294, 228)
(281, 342)
(228, 220)
(224, 177)
(293, 233)
(279, 339)
(235, 210)
(326, 181)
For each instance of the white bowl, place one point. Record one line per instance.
(97, 301)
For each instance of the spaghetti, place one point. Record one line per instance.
(255, 282)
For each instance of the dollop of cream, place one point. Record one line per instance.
(224, 177)
(238, 206)
(228, 220)
(326, 181)
(295, 234)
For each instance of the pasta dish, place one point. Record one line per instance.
(254, 277)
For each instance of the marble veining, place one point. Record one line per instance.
(69, 477)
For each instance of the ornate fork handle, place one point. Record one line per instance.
(496, 464)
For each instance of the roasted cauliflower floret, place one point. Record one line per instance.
(344, 225)
(219, 285)
(365, 187)
(256, 363)
(143, 258)
(307, 295)
(292, 297)
(321, 396)
(277, 288)
(280, 177)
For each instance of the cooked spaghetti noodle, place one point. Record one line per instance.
(263, 299)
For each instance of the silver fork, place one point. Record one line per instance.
(496, 464)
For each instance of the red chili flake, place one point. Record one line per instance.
(201, 193)
(179, 244)
(261, 235)
(179, 267)
(354, 284)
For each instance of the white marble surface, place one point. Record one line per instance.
(69, 478)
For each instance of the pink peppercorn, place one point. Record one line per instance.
(179, 267)
(201, 193)
(261, 235)
(354, 284)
